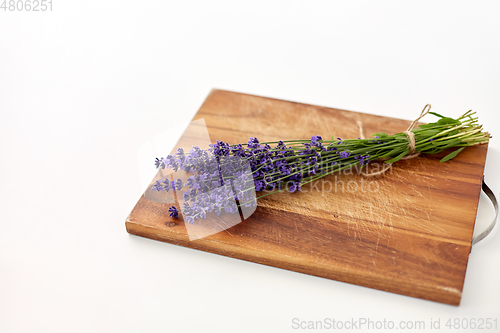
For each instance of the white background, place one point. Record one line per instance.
(84, 86)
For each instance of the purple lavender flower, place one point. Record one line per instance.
(220, 148)
(314, 170)
(364, 159)
(294, 187)
(166, 187)
(157, 186)
(157, 162)
(225, 177)
(345, 154)
(253, 143)
(260, 185)
(178, 184)
(173, 212)
(315, 139)
(238, 150)
(227, 174)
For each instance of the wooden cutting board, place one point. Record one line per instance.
(408, 232)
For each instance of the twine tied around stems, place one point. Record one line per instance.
(411, 142)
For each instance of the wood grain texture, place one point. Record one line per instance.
(407, 232)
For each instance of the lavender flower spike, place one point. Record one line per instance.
(173, 212)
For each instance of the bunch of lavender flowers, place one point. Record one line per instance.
(224, 174)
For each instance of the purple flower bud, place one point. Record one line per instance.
(253, 143)
(158, 162)
(173, 212)
(345, 154)
(315, 139)
(158, 186)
